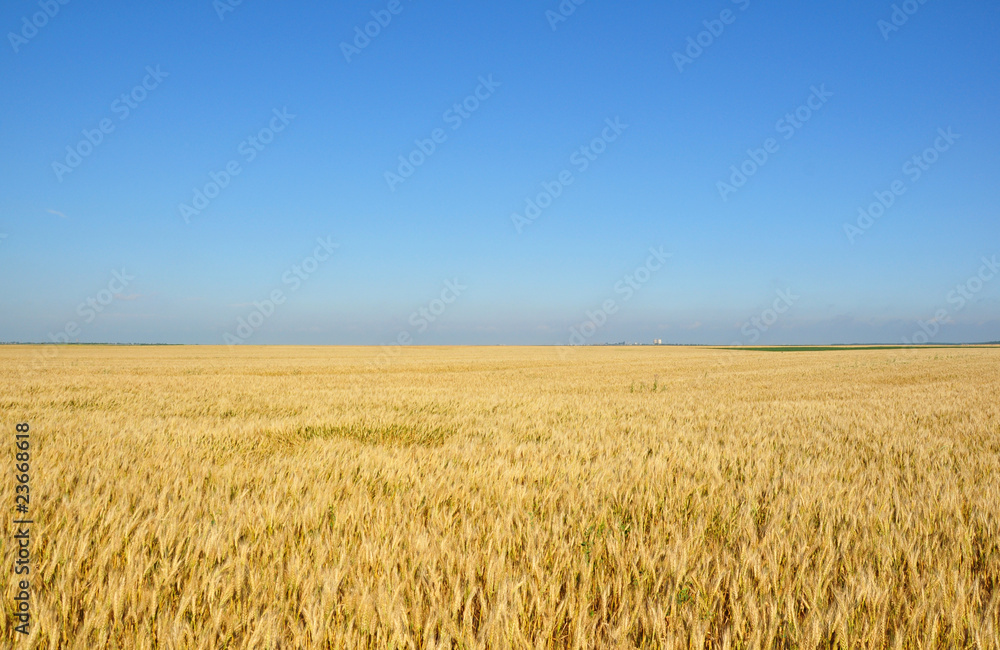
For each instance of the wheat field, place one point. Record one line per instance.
(293, 497)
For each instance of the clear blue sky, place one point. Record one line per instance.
(72, 215)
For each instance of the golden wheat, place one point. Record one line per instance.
(507, 497)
